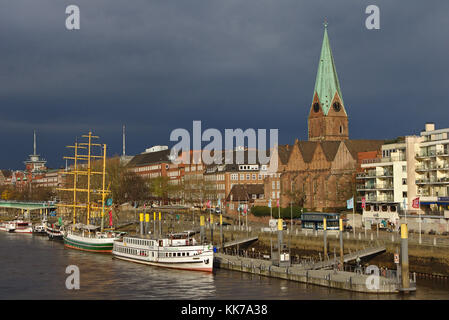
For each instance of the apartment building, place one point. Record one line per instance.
(432, 170)
(386, 183)
(382, 185)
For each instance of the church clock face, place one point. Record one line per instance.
(316, 107)
(337, 106)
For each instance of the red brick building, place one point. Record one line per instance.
(320, 173)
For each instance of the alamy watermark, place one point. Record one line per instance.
(373, 281)
(373, 20)
(73, 280)
(72, 22)
(189, 148)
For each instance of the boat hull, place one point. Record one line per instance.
(27, 230)
(54, 234)
(89, 244)
(7, 228)
(162, 253)
(180, 266)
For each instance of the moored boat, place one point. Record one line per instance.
(7, 226)
(23, 227)
(177, 251)
(87, 239)
(40, 229)
(54, 232)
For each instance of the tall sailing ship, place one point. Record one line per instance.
(87, 237)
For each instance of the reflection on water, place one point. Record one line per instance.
(33, 267)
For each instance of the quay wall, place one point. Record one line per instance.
(331, 279)
(425, 258)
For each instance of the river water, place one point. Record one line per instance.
(33, 267)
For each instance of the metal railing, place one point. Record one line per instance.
(376, 186)
(432, 180)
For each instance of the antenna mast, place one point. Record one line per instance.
(124, 142)
(34, 143)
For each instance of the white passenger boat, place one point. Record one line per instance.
(177, 251)
(7, 226)
(23, 227)
(40, 229)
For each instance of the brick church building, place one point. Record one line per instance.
(320, 173)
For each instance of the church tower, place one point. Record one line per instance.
(328, 120)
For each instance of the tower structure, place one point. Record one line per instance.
(328, 120)
(35, 163)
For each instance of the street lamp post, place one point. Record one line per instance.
(291, 208)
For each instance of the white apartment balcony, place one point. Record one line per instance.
(425, 154)
(432, 167)
(366, 174)
(393, 158)
(373, 174)
(377, 199)
(443, 181)
(432, 154)
(376, 186)
(432, 194)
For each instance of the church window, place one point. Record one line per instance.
(337, 106)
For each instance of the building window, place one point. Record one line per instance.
(254, 177)
(242, 177)
(404, 194)
(273, 185)
(404, 181)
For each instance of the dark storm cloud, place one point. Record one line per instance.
(158, 65)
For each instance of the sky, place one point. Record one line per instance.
(157, 65)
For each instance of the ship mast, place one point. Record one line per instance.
(90, 158)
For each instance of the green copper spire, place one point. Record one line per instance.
(326, 84)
